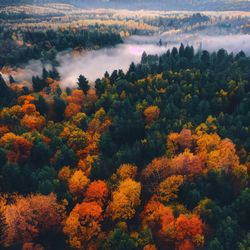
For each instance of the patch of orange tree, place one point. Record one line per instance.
(83, 224)
(29, 217)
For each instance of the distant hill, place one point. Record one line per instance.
(148, 4)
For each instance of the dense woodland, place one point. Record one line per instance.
(19, 46)
(153, 158)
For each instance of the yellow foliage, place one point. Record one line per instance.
(78, 184)
(169, 188)
(125, 200)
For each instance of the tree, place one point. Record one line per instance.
(18, 147)
(98, 192)
(72, 109)
(11, 79)
(169, 188)
(3, 225)
(124, 200)
(126, 171)
(83, 84)
(38, 83)
(83, 224)
(78, 184)
(151, 114)
(3, 86)
(156, 172)
(33, 122)
(160, 219)
(185, 138)
(189, 228)
(119, 240)
(32, 216)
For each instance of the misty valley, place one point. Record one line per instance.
(124, 125)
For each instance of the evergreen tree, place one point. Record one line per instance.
(83, 84)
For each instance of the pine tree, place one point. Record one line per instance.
(83, 84)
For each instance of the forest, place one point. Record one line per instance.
(153, 158)
(150, 155)
(19, 46)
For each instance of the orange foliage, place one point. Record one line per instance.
(169, 188)
(32, 246)
(187, 163)
(72, 109)
(156, 172)
(32, 216)
(189, 227)
(150, 247)
(4, 130)
(185, 138)
(151, 114)
(159, 218)
(26, 99)
(100, 123)
(186, 245)
(83, 224)
(19, 148)
(86, 164)
(33, 122)
(64, 174)
(126, 171)
(29, 108)
(78, 184)
(98, 192)
(172, 142)
(76, 97)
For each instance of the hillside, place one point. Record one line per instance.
(156, 156)
(197, 5)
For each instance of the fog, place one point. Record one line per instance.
(93, 64)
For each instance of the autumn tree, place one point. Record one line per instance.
(98, 192)
(185, 138)
(83, 224)
(19, 148)
(124, 200)
(187, 163)
(64, 174)
(33, 122)
(160, 219)
(78, 184)
(3, 225)
(32, 216)
(150, 247)
(72, 109)
(156, 172)
(189, 227)
(151, 114)
(169, 188)
(126, 171)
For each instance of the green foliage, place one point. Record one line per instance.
(119, 240)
